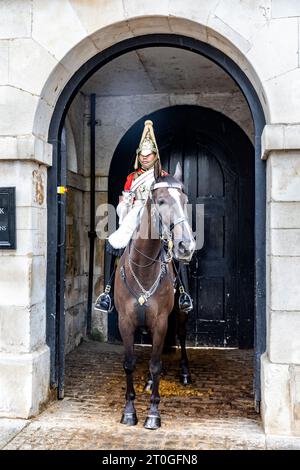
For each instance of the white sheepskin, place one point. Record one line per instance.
(121, 237)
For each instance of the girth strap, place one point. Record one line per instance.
(141, 316)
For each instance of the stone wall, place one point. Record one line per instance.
(24, 357)
(281, 363)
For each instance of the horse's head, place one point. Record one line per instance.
(171, 203)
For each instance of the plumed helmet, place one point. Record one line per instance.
(147, 144)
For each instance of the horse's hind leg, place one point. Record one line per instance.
(129, 416)
(153, 420)
(185, 376)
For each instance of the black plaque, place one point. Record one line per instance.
(7, 218)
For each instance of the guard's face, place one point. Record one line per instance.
(147, 160)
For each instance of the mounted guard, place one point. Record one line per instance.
(134, 196)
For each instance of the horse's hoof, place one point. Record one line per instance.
(185, 379)
(152, 422)
(130, 419)
(148, 386)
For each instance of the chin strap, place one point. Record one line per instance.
(151, 165)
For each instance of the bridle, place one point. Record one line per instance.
(166, 233)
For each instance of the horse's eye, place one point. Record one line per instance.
(160, 202)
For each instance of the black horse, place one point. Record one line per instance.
(144, 284)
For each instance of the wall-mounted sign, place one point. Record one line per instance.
(7, 218)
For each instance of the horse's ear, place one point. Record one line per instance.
(157, 169)
(178, 172)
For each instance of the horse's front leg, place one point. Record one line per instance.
(153, 420)
(185, 376)
(129, 416)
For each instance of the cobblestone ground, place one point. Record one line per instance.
(215, 412)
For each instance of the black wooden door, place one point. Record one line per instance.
(210, 182)
(217, 176)
(218, 170)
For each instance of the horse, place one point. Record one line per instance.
(144, 284)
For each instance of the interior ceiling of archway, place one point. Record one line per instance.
(188, 78)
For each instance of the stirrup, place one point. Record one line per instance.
(104, 302)
(185, 301)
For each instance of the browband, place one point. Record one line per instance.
(167, 185)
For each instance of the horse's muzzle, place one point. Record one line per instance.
(184, 250)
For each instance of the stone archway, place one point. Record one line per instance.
(55, 275)
(252, 39)
(192, 25)
(65, 65)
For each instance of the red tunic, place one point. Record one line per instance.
(132, 176)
